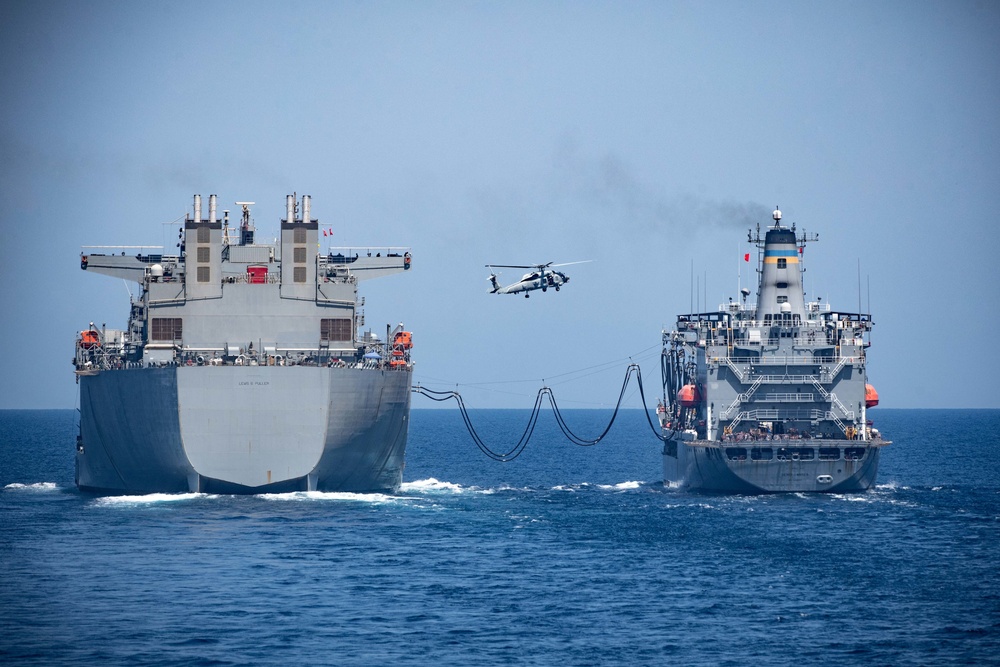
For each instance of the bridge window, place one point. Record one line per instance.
(336, 329)
(782, 262)
(165, 328)
(782, 299)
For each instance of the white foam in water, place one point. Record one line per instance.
(151, 498)
(431, 484)
(330, 495)
(37, 486)
(620, 486)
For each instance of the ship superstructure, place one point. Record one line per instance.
(242, 369)
(772, 396)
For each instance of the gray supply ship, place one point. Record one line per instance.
(241, 369)
(771, 397)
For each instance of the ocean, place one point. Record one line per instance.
(566, 556)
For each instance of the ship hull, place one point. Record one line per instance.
(242, 430)
(727, 468)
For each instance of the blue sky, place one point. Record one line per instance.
(646, 137)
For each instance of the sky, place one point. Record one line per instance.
(647, 137)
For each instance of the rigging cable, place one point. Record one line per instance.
(529, 429)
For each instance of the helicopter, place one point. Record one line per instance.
(540, 277)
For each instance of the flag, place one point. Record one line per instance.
(746, 257)
(801, 248)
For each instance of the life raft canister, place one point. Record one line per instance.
(871, 396)
(689, 396)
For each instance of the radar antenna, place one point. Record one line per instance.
(246, 224)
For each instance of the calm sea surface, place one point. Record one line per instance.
(567, 555)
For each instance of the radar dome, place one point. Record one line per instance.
(156, 271)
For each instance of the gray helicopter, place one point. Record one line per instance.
(541, 276)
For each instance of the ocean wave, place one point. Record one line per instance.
(570, 487)
(581, 486)
(621, 486)
(151, 498)
(854, 497)
(37, 486)
(432, 484)
(341, 496)
(891, 486)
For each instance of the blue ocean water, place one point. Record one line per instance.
(567, 555)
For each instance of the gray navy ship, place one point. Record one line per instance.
(242, 369)
(771, 397)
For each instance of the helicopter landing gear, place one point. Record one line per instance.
(526, 296)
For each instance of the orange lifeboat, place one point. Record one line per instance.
(689, 396)
(871, 396)
(89, 339)
(404, 339)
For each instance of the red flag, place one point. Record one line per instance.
(746, 257)
(801, 248)
(324, 232)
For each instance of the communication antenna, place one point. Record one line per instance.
(692, 287)
(859, 287)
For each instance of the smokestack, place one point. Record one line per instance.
(211, 208)
(197, 208)
(290, 208)
(305, 208)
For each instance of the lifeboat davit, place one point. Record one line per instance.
(689, 396)
(871, 396)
